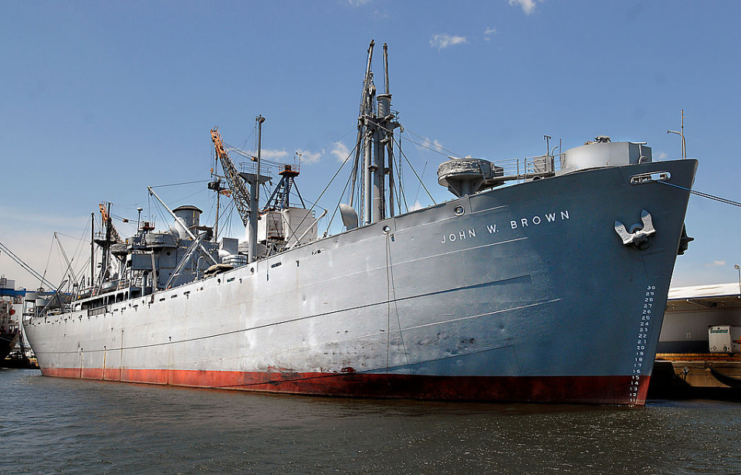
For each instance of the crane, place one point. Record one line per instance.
(26, 267)
(240, 194)
(109, 223)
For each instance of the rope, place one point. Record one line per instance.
(703, 195)
(391, 289)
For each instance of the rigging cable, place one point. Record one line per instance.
(62, 253)
(25, 266)
(343, 190)
(326, 188)
(415, 174)
(43, 277)
(160, 212)
(226, 219)
(178, 184)
(437, 148)
(401, 192)
(334, 213)
(244, 144)
(398, 144)
(80, 275)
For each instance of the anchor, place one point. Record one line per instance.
(639, 234)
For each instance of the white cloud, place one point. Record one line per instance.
(490, 31)
(433, 144)
(308, 157)
(528, 6)
(417, 205)
(357, 3)
(269, 154)
(340, 151)
(663, 155)
(445, 40)
(716, 264)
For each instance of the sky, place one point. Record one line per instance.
(99, 100)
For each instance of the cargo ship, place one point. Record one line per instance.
(542, 280)
(11, 307)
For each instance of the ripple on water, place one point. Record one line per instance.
(58, 425)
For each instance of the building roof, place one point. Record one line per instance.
(705, 291)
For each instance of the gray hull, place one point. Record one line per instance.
(524, 293)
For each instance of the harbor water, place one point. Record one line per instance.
(51, 425)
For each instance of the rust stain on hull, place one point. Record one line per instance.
(551, 389)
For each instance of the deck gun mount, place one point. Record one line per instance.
(466, 176)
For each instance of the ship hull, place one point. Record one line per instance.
(524, 293)
(547, 389)
(8, 340)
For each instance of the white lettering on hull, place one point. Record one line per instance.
(459, 236)
(521, 223)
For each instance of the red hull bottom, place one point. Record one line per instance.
(539, 389)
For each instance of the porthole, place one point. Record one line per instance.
(459, 210)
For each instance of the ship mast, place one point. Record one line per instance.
(366, 110)
(92, 250)
(376, 125)
(255, 197)
(388, 141)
